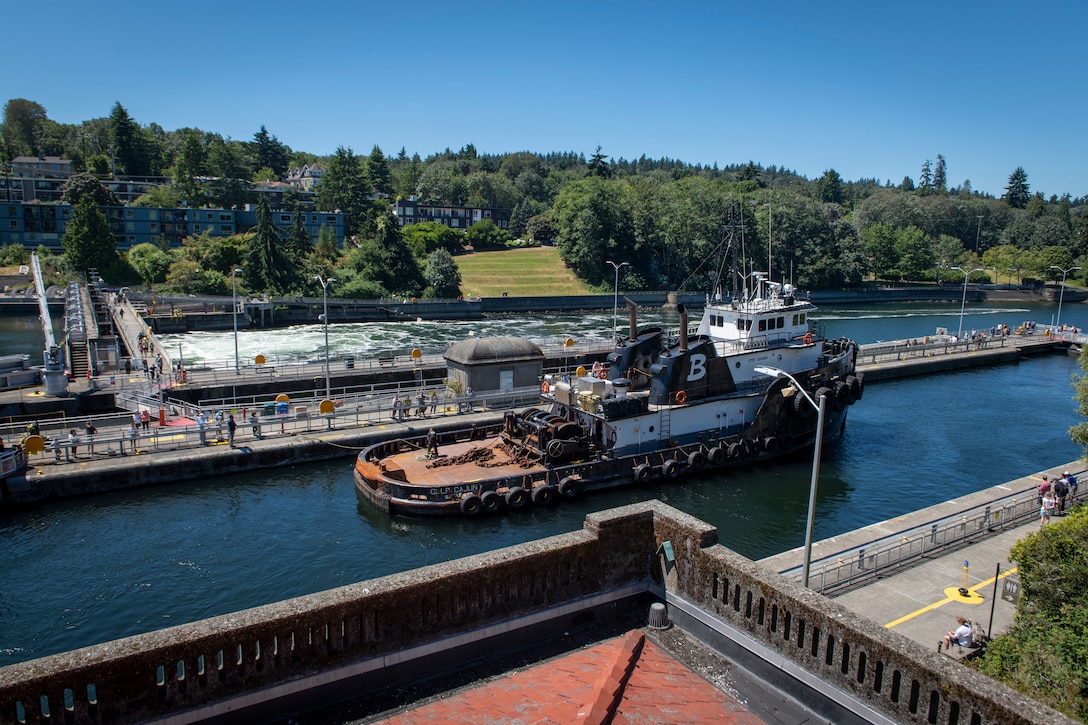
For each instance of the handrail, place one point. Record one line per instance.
(857, 565)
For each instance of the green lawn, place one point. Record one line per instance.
(523, 272)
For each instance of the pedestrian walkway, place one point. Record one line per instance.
(973, 578)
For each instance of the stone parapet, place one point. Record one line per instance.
(359, 633)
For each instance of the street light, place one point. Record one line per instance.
(325, 318)
(1061, 295)
(234, 309)
(616, 294)
(821, 410)
(963, 303)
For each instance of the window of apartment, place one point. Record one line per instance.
(130, 226)
(196, 227)
(154, 228)
(132, 240)
(454, 223)
(313, 218)
(130, 214)
(14, 225)
(227, 228)
(153, 214)
(487, 213)
(225, 218)
(285, 218)
(330, 220)
(210, 217)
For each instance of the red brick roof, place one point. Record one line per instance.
(624, 680)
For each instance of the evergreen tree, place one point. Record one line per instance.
(267, 265)
(129, 153)
(270, 153)
(191, 164)
(926, 179)
(830, 187)
(940, 176)
(599, 166)
(376, 171)
(326, 244)
(299, 246)
(1017, 193)
(88, 240)
(343, 186)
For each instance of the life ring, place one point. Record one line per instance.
(544, 495)
(670, 468)
(516, 498)
(642, 472)
(545, 388)
(471, 505)
(681, 397)
(807, 339)
(603, 375)
(716, 456)
(568, 487)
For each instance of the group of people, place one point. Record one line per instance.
(1055, 495)
(402, 407)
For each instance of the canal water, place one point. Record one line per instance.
(90, 570)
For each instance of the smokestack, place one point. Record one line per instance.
(683, 326)
(632, 317)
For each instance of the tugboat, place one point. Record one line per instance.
(737, 389)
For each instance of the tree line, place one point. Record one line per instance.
(669, 219)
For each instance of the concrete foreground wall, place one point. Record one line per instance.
(200, 664)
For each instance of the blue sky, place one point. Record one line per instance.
(870, 89)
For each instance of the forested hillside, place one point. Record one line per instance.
(667, 218)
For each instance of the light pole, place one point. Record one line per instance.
(821, 412)
(325, 318)
(234, 309)
(963, 303)
(616, 294)
(1061, 295)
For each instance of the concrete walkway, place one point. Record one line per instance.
(922, 601)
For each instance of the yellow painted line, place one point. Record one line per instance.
(334, 435)
(946, 600)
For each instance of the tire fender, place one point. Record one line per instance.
(516, 498)
(471, 505)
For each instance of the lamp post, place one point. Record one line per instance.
(234, 309)
(616, 295)
(821, 412)
(963, 303)
(325, 318)
(1061, 295)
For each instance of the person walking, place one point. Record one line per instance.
(421, 405)
(73, 439)
(434, 401)
(232, 427)
(432, 443)
(255, 425)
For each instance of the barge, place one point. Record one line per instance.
(739, 388)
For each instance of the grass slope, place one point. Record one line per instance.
(523, 272)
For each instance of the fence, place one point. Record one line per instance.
(852, 567)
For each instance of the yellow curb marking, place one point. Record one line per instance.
(954, 598)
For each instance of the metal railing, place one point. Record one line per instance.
(297, 416)
(858, 565)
